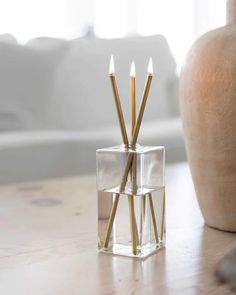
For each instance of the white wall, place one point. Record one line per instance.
(181, 22)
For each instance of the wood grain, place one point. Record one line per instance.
(48, 243)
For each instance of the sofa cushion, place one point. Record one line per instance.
(26, 83)
(34, 155)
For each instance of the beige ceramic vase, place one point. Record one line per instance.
(208, 107)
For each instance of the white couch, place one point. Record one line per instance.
(57, 108)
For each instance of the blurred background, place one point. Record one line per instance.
(56, 103)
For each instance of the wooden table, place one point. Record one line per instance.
(48, 243)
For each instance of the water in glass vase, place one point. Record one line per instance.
(131, 225)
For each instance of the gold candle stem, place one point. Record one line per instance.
(134, 230)
(141, 110)
(133, 122)
(125, 141)
(163, 215)
(126, 172)
(153, 218)
(133, 104)
(119, 109)
(111, 220)
(133, 224)
(134, 188)
(134, 175)
(142, 219)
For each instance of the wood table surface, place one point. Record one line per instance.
(48, 243)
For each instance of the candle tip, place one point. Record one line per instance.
(150, 67)
(111, 67)
(132, 69)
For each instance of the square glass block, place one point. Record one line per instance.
(131, 200)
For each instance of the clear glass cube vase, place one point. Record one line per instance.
(131, 200)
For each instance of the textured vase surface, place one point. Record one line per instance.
(208, 109)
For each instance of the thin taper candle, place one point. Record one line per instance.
(133, 119)
(143, 103)
(163, 215)
(117, 101)
(134, 232)
(133, 97)
(125, 141)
